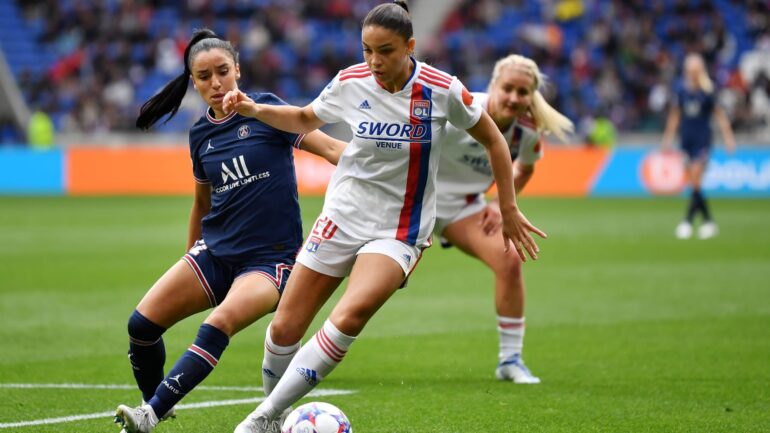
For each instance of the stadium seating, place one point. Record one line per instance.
(603, 56)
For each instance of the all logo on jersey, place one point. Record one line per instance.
(421, 109)
(692, 108)
(235, 173)
(239, 166)
(365, 105)
(209, 146)
(244, 131)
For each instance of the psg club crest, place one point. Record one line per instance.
(421, 109)
(313, 243)
(244, 131)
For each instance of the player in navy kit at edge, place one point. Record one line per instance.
(691, 114)
(380, 205)
(244, 231)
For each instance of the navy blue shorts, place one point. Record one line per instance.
(696, 149)
(217, 276)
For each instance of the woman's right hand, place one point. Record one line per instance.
(235, 100)
(516, 230)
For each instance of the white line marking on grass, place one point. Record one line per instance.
(203, 404)
(116, 386)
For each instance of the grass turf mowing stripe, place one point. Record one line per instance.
(203, 404)
(117, 386)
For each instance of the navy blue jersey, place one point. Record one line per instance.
(254, 205)
(696, 107)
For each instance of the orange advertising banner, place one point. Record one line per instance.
(567, 171)
(129, 171)
(313, 173)
(564, 172)
(162, 171)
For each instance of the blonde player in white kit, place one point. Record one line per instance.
(466, 220)
(379, 210)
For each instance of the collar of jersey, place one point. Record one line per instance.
(407, 83)
(218, 121)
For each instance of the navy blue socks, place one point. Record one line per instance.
(190, 370)
(146, 353)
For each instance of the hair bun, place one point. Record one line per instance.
(402, 4)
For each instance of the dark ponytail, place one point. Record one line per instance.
(170, 98)
(392, 16)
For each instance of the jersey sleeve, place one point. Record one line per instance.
(328, 105)
(463, 111)
(199, 174)
(270, 99)
(531, 151)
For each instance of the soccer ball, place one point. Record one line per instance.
(317, 417)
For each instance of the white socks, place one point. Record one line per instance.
(511, 332)
(314, 361)
(275, 362)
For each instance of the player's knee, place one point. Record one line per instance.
(222, 321)
(507, 267)
(143, 329)
(284, 332)
(351, 321)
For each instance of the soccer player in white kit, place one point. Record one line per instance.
(379, 209)
(466, 220)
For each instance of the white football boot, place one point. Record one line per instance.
(170, 414)
(708, 230)
(684, 230)
(514, 369)
(258, 422)
(284, 415)
(136, 420)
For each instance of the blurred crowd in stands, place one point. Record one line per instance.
(606, 59)
(618, 59)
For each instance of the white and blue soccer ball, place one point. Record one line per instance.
(317, 417)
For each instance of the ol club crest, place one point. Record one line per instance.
(421, 109)
(313, 243)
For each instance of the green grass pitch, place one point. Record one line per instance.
(630, 329)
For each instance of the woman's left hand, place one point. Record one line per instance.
(491, 219)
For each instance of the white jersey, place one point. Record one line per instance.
(465, 171)
(384, 184)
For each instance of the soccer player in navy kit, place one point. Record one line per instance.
(244, 232)
(691, 114)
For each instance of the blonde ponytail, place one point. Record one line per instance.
(703, 81)
(547, 118)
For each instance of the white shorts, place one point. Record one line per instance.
(331, 251)
(449, 210)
